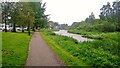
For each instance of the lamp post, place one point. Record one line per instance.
(28, 24)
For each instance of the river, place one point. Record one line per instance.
(79, 38)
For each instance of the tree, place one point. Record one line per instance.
(4, 13)
(75, 24)
(14, 16)
(116, 13)
(18, 11)
(63, 26)
(106, 12)
(0, 14)
(12, 11)
(111, 13)
(23, 15)
(91, 18)
(41, 19)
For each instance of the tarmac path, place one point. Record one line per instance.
(40, 54)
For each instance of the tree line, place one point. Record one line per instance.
(24, 14)
(109, 19)
(57, 26)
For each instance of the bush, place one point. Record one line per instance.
(98, 25)
(105, 27)
(108, 27)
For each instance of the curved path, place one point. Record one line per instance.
(40, 54)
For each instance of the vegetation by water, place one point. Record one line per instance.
(101, 52)
(14, 48)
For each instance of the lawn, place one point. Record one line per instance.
(15, 48)
(0, 49)
(104, 51)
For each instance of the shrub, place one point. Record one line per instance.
(108, 27)
(105, 27)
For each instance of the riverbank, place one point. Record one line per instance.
(101, 52)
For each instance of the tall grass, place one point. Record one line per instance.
(101, 52)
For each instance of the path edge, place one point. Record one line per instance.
(55, 54)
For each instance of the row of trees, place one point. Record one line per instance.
(109, 19)
(24, 14)
(57, 26)
(111, 13)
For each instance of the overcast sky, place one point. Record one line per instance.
(69, 11)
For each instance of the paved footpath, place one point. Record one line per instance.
(40, 54)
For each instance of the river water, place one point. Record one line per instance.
(79, 38)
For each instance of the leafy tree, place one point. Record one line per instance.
(91, 18)
(14, 15)
(41, 19)
(74, 25)
(5, 7)
(10, 9)
(18, 11)
(116, 13)
(106, 12)
(63, 26)
(111, 13)
(23, 15)
(0, 13)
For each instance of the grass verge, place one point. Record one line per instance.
(60, 48)
(14, 48)
(0, 49)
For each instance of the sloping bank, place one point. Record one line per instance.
(75, 53)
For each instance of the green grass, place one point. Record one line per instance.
(0, 49)
(109, 41)
(101, 52)
(58, 47)
(15, 48)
